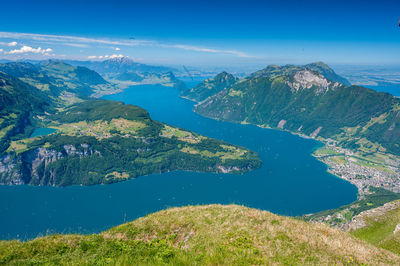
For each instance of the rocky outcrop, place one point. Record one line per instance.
(226, 170)
(360, 220)
(306, 79)
(32, 166)
(35, 163)
(9, 173)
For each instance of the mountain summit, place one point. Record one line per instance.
(210, 87)
(310, 99)
(274, 71)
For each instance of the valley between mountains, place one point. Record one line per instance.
(99, 142)
(91, 141)
(94, 141)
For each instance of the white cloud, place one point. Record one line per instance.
(79, 45)
(106, 56)
(1, 50)
(116, 56)
(81, 41)
(27, 49)
(12, 44)
(206, 50)
(117, 49)
(70, 39)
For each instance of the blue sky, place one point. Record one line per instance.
(204, 33)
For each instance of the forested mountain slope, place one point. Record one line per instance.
(95, 141)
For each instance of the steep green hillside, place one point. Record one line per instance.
(28, 92)
(342, 217)
(19, 103)
(380, 226)
(209, 87)
(100, 142)
(95, 141)
(301, 99)
(202, 235)
(66, 84)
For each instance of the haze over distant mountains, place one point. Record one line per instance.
(120, 65)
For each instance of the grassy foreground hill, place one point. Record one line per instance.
(198, 235)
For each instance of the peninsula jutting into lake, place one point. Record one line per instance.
(168, 132)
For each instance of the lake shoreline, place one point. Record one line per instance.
(290, 182)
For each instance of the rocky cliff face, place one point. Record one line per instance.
(33, 166)
(306, 79)
(35, 163)
(9, 172)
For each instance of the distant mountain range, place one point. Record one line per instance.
(311, 100)
(116, 66)
(126, 72)
(58, 78)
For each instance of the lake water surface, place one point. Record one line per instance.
(290, 181)
(43, 131)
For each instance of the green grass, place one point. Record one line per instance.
(4, 131)
(377, 198)
(233, 92)
(182, 135)
(338, 159)
(379, 230)
(100, 128)
(19, 146)
(201, 235)
(325, 151)
(117, 138)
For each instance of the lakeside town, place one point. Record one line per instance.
(379, 170)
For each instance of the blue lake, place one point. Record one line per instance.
(42, 131)
(393, 89)
(290, 181)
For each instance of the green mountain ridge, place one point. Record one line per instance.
(273, 71)
(63, 82)
(302, 100)
(18, 102)
(209, 87)
(115, 66)
(96, 141)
